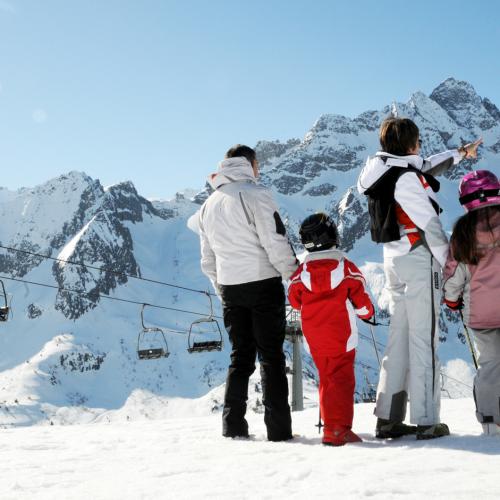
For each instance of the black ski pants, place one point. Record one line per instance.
(254, 317)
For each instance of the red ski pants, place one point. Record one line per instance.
(336, 388)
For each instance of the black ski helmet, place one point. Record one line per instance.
(319, 232)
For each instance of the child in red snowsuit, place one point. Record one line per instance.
(329, 290)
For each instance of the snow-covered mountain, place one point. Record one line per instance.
(65, 357)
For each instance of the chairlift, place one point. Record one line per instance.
(203, 327)
(4, 309)
(151, 342)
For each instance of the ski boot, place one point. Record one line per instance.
(338, 435)
(432, 431)
(386, 429)
(491, 429)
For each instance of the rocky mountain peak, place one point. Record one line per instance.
(454, 88)
(329, 123)
(124, 200)
(267, 150)
(463, 104)
(492, 109)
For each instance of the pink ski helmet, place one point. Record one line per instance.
(479, 189)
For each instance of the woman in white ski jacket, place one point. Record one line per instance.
(246, 254)
(404, 215)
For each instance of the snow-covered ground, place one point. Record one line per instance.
(186, 457)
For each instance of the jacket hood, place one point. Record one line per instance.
(323, 271)
(232, 170)
(378, 165)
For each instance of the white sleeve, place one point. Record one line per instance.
(411, 196)
(454, 284)
(193, 222)
(439, 163)
(272, 233)
(208, 261)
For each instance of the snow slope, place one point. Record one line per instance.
(185, 457)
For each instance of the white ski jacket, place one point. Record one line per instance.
(242, 236)
(413, 195)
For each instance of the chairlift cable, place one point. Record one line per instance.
(368, 339)
(102, 269)
(456, 380)
(100, 295)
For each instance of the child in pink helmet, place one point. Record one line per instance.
(472, 285)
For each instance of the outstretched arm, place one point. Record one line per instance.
(439, 163)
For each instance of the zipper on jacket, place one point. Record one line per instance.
(245, 209)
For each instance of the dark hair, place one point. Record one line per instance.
(241, 150)
(463, 241)
(398, 136)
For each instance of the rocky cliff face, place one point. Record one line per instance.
(73, 218)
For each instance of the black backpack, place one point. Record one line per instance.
(382, 205)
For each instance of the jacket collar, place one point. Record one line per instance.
(232, 170)
(331, 253)
(412, 160)
(376, 166)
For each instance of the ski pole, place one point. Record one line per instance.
(469, 341)
(375, 344)
(319, 425)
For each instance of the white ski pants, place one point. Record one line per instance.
(487, 380)
(410, 365)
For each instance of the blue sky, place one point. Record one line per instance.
(156, 91)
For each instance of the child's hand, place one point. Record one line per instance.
(470, 149)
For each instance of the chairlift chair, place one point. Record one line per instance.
(4, 309)
(151, 342)
(205, 326)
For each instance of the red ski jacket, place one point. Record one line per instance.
(329, 290)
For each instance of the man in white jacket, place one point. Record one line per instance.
(404, 215)
(246, 254)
